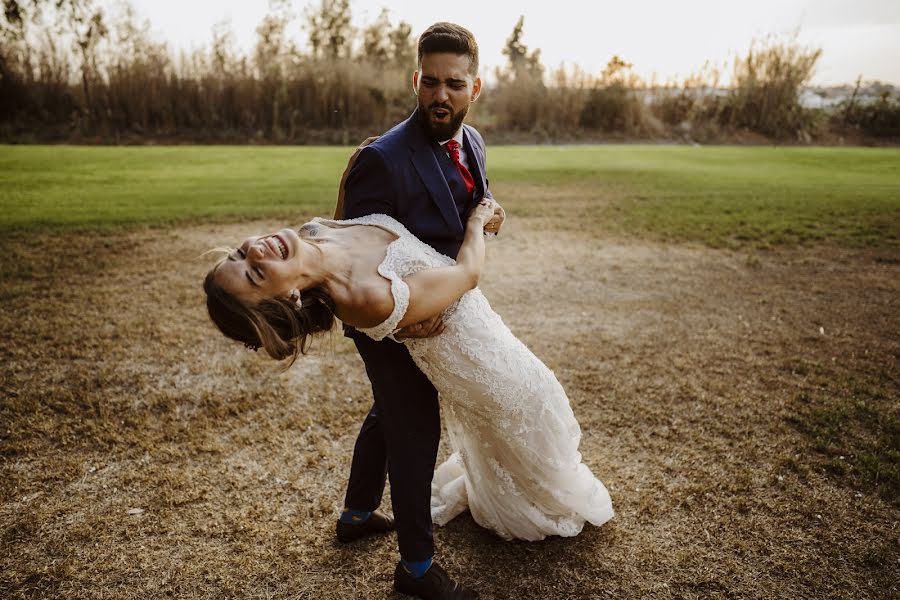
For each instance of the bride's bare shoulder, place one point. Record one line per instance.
(367, 305)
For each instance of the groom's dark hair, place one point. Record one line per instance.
(449, 37)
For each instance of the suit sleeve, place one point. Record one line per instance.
(369, 189)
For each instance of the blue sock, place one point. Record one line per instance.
(354, 517)
(417, 569)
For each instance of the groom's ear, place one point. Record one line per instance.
(416, 83)
(476, 88)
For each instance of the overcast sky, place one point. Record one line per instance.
(670, 39)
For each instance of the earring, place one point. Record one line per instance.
(296, 298)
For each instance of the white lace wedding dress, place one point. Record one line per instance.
(515, 464)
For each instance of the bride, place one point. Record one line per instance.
(515, 462)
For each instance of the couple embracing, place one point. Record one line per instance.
(399, 266)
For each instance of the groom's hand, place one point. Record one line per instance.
(423, 329)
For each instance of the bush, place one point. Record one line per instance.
(673, 108)
(86, 79)
(766, 90)
(613, 104)
(879, 119)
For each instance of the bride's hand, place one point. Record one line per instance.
(496, 222)
(483, 212)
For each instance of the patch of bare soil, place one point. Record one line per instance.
(742, 411)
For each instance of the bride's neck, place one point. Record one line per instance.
(328, 258)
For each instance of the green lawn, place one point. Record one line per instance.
(89, 186)
(727, 196)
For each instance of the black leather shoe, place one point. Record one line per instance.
(434, 585)
(378, 522)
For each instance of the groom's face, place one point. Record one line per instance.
(445, 89)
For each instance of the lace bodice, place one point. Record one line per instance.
(404, 256)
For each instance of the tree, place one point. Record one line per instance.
(77, 18)
(13, 25)
(272, 43)
(614, 71)
(271, 54)
(13, 93)
(403, 47)
(330, 31)
(521, 63)
(89, 29)
(385, 45)
(376, 43)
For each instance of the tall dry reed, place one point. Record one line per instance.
(104, 78)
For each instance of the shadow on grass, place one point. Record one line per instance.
(853, 429)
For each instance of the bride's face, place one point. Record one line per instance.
(262, 267)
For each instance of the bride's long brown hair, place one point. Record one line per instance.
(279, 326)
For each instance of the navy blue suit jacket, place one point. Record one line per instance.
(399, 175)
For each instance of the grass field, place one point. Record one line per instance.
(722, 196)
(724, 321)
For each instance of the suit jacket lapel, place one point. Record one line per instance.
(477, 163)
(429, 170)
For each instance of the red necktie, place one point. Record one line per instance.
(453, 149)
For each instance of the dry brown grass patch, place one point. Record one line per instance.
(144, 456)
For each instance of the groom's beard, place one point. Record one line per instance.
(438, 132)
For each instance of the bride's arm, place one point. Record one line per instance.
(433, 290)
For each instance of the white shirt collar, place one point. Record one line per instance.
(458, 137)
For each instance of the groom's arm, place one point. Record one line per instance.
(368, 188)
(342, 186)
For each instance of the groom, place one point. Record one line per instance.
(427, 172)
